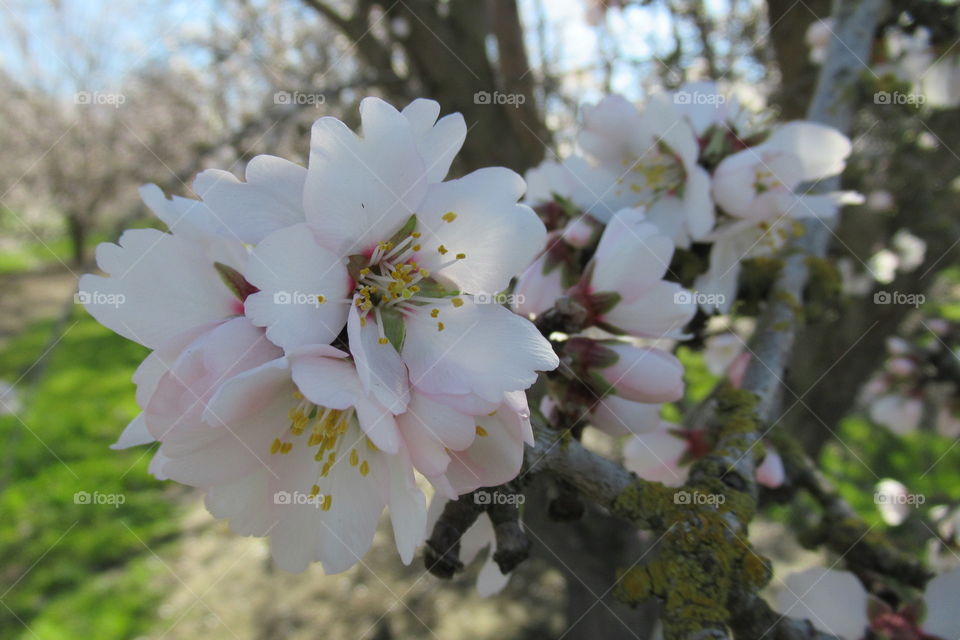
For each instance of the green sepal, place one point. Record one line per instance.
(394, 327)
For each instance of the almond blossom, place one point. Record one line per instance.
(315, 338)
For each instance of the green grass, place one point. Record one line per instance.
(77, 570)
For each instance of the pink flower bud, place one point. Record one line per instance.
(644, 374)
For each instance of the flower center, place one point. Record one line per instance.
(658, 173)
(394, 284)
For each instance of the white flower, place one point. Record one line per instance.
(943, 619)
(394, 252)
(759, 182)
(618, 416)
(834, 601)
(631, 260)
(818, 37)
(891, 499)
(651, 158)
(720, 350)
(770, 473)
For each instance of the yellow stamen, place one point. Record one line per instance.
(364, 468)
(327, 502)
(481, 431)
(383, 341)
(442, 249)
(321, 299)
(449, 216)
(276, 445)
(457, 302)
(461, 256)
(439, 326)
(354, 458)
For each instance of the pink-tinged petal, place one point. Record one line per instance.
(326, 382)
(382, 372)
(269, 200)
(644, 374)
(482, 348)
(427, 453)
(655, 456)
(631, 257)
(770, 473)
(226, 454)
(834, 601)
(246, 503)
(438, 142)
(478, 537)
(468, 403)
(379, 424)
(941, 603)
(449, 427)
(662, 311)
(535, 291)
(179, 403)
(408, 506)
(494, 457)
(158, 362)
(619, 417)
(347, 529)
(134, 434)
(159, 287)
(294, 274)
(248, 392)
(498, 236)
(360, 190)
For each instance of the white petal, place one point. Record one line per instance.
(498, 236)
(134, 434)
(632, 255)
(360, 190)
(483, 349)
(619, 417)
(270, 199)
(291, 270)
(160, 286)
(834, 601)
(438, 143)
(408, 507)
(382, 372)
(655, 456)
(662, 311)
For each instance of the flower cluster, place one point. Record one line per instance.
(318, 334)
(690, 173)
